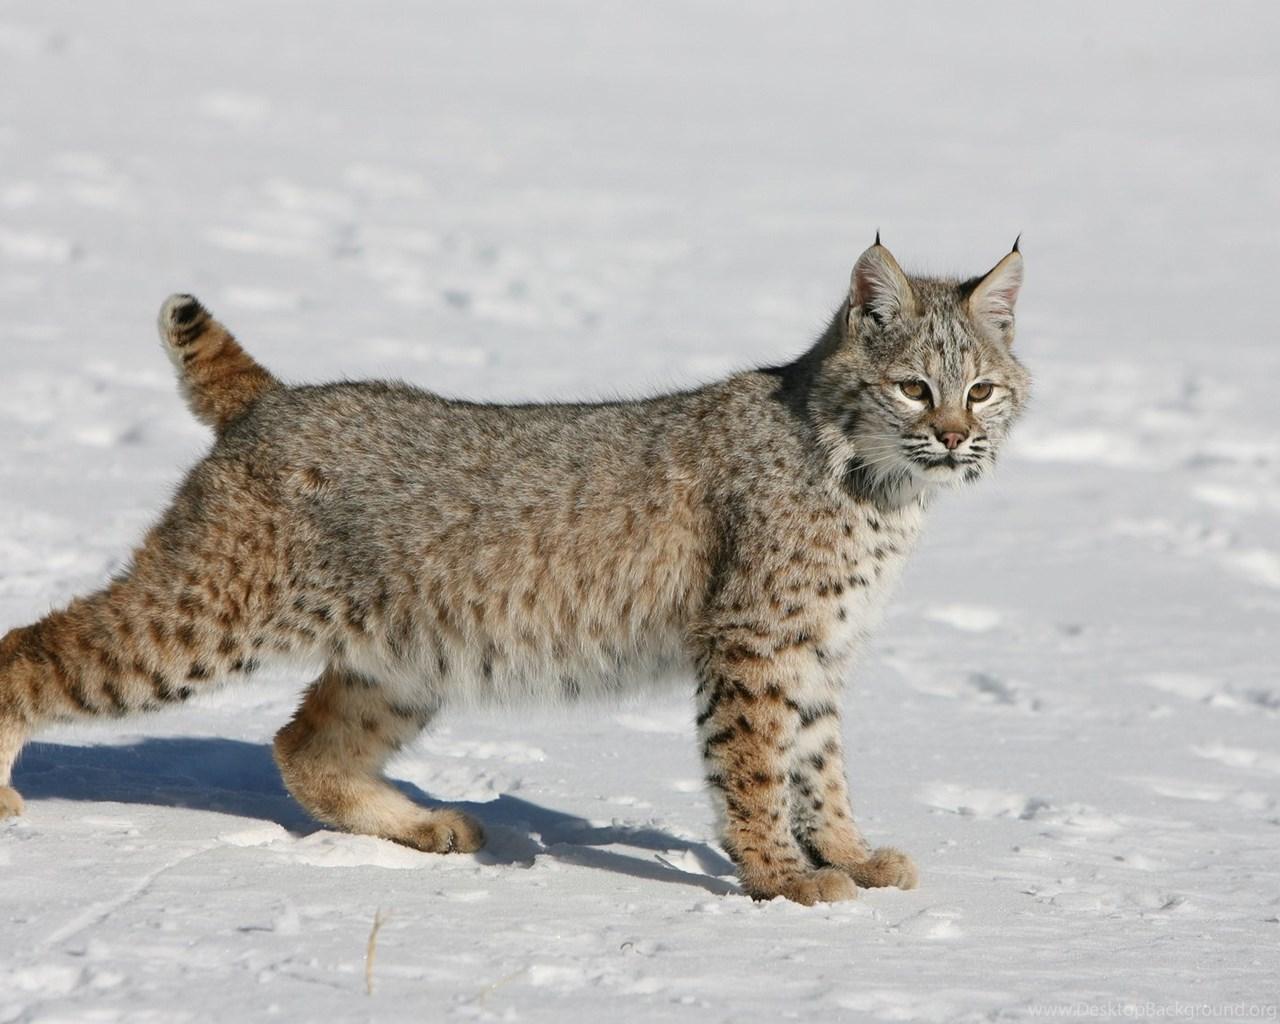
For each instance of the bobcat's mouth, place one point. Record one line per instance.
(950, 469)
(949, 461)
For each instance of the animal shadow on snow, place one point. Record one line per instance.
(241, 779)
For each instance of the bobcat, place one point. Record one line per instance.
(432, 551)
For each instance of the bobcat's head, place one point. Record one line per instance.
(919, 384)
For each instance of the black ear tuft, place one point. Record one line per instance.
(1016, 241)
(877, 236)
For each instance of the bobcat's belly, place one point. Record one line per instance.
(522, 667)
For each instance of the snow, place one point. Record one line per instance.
(1071, 715)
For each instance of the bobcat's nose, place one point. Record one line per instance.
(952, 438)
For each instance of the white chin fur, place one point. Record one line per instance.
(952, 476)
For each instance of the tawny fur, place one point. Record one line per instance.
(219, 379)
(434, 552)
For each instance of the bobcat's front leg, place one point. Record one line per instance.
(821, 816)
(748, 729)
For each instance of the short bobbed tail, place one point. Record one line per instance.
(219, 379)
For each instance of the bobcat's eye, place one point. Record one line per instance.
(980, 392)
(916, 390)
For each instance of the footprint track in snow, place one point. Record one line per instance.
(993, 690)
(1198, 540)
(1208, 691)
(1070, 820)
(1188, 789)
(976, 802)
(936, 923)
(986, 689)
(1239, 757)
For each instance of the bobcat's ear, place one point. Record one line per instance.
(992, 299)
(879, 288)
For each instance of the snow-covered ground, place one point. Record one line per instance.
(1072, 715)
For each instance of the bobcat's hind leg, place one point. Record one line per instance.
(13, 734)
(331, 756)
(207, 596)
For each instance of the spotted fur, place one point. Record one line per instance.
(436, 552)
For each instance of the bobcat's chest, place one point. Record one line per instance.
(866, 559)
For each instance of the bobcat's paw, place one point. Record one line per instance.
(10, 802)
(885, 866)
(822, 885)
(444, 831)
